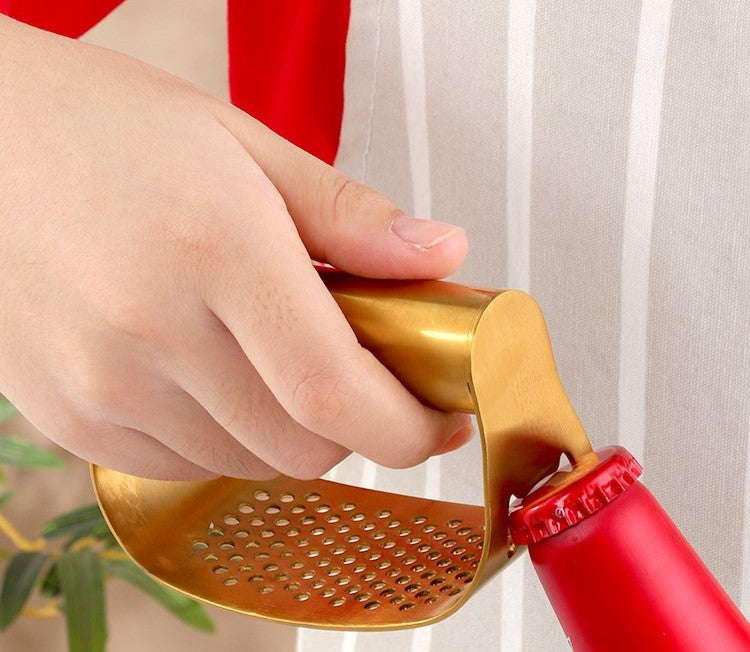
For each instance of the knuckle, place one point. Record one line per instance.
(321, 396)
(346, 193)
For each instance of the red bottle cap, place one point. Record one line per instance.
(573, 494)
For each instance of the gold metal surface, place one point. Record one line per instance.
(323, 554)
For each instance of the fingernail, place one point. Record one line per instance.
(422, 234)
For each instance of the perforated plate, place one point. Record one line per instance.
(300, 552)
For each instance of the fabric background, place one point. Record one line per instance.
(598, 154)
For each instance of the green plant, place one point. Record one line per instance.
(67, 565)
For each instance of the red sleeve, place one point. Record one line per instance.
(286, 68)
(67, 17)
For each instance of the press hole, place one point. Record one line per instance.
(428, 528)
(463, 531)
(252, 544)
(307, 520)
(397, 599)
(372, 605)
(407, 606)
(455, 592)
(266, 534)
(354, 588)
(428, 575)
(433, 555)
(463, 575)
(369, 577)
(332, 518)
(333, 571)
(338, 550)
(389, 544)
(348, 507)
(437, 581)
(226, 545)
(322, 509)
(246, 508)
(266, 589)
(262, 494)
(384, 513)
(292, 532)
(422, 594)
(419, 519)
(292, 586)
(431, 600)
(286, 497)
(409, 560)
(343, 580)
(296, 565)
(246, 568)
(236, 558)
(423, 548)
(359, 516)
(387, 592)
(281, 577)
(272, 509)
(215, 532)
(198, 544)
(241, 534)
(378, 535)
(230, 581)
(328, 593)
(411, 588)
(384, 564)
(313, 552)
(393, 523)
(452, 569)
(255, 578)
(337, 602)
(474, 538)
(458, 551)
(343, 528)
(231, 520)
(380, 584)
(404, 532)
(308, 575)
(413, 541)
(271, 567)
(418, 568)
(442, 563)
(257, 521)
(446, 588)
(453, 523)
(362, 597)
(317, 531)
(261, 556)
(403, 579)
(349, 559)
(438, 536)
(220, 569)
(276, 544)
(353, 538)
(210, 557)
(359, 568)
(323, 561)
(367, 527)
(399, 552)
(312, 497)
(297, 509)
(301, 597)
(317, 584)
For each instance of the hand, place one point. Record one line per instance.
(158, 309)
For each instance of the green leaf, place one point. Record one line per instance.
(83, 522)
(18, 452)
(50, 587)
(20, 575)
(186, 609)
(5, 497)
(7, 409)
(82, 584)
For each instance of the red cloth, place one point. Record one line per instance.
(286, 59)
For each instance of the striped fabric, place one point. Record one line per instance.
(598, 154)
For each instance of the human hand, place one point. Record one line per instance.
(158, 308)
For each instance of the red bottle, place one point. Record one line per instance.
(618, 572)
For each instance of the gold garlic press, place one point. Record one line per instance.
(323, 554)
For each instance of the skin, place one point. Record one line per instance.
(158, 308)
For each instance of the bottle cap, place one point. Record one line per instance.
(573, 494)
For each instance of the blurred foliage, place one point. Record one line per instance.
(67, 566)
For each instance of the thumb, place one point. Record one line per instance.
(342, 222)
